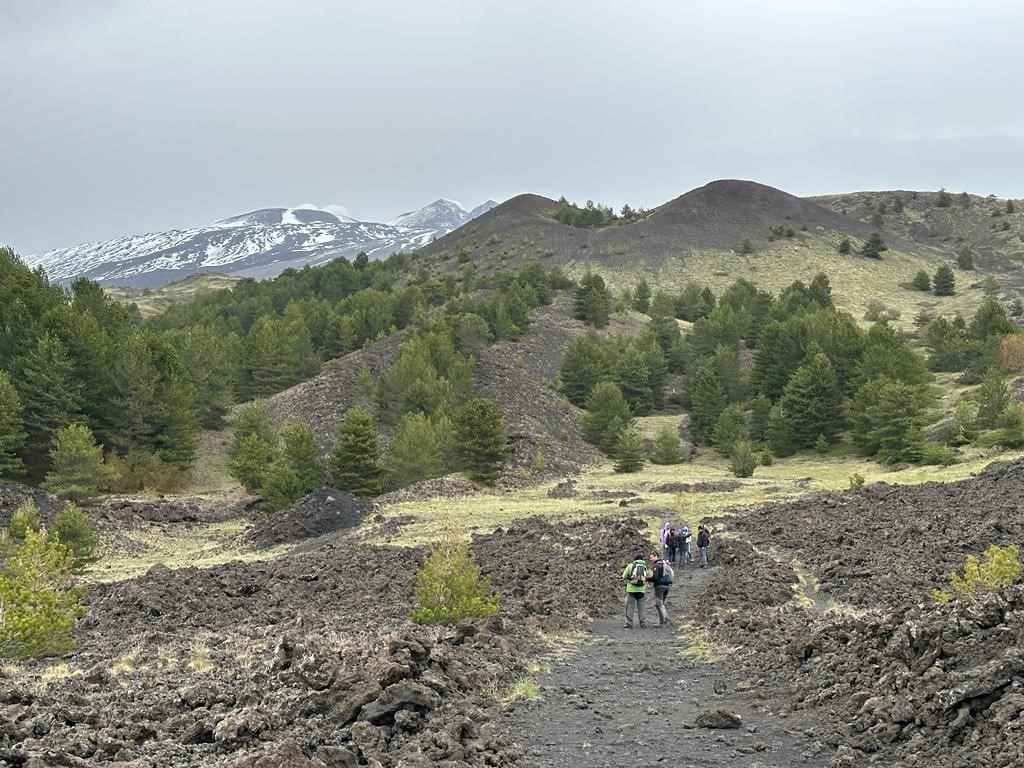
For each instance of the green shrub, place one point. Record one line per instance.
(856, 482)
(743, 461)
(24, 519)
(138, 470)
(77, 471)
(539, 462)
(629, 451)
(998, 567)
(71, 528)
(449, 586)
(934, 453)
(766, 458)
(40, 601)
(667, 448)
(282, 487)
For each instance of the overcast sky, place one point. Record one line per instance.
(129, 116)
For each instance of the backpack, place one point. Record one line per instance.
(667, 575)
(639, 574)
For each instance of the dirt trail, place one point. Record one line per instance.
(631, 697)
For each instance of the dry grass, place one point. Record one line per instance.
(785, 479)
(855, 280)
(131, 553)
(154, 301)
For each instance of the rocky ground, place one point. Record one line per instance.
(632, 697)
(899, 678)
(814, 626)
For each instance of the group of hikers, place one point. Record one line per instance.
(656, 571)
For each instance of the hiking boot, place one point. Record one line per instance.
(628, 626)
(643, 626)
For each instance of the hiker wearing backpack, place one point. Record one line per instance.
(703, 542)
(663, 537)
(673, 544)
(684, 546)
(661, 577)
(635, 576)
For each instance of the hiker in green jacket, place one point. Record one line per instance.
(635, 576)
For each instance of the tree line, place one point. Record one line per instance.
(765, 375)
(142, 390)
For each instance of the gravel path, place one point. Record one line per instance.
(629, 697)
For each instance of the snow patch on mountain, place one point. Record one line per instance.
(261, 243)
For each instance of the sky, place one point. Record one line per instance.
(131, 116)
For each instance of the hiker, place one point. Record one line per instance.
(673, 544)
(635, 576)
(684, 545)
(661, 577)
(663, 537)
(703, 542)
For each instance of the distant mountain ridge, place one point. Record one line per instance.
(261, 243)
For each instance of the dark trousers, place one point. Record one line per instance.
(660, 596)
(635, 601)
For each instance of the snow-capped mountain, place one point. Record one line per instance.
(440, 215)
(260, 243)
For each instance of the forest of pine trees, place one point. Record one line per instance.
(142, 390)
(787, 372)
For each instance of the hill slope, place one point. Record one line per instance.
(698, 236)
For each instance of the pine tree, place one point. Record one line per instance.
(584, 365)
(1011, 427)
(12, 434)
(760, 412)
(480, 440)
(50, 398)
(944, 282)
(135, 397)
(300, 453)
(667, 448)
(416, 451)
(886, 417)
(993, 399)
(634, 380)
(642, 296)
(730, 428)
(873, 247)
(449, 587)
(253, 419)
(820, 291)
(354, 463)
(77, 471)
(742, 460)
(845, 247)
(592, 301)
(1010, 208)
(71, 528)
(781, 441)
(921, 281)
(251, 458)
(965, 259)
(211, 363)
(629, 451)
(604, 405)
(707, 401)
(812, 401)
(281, 487)
(943, 200)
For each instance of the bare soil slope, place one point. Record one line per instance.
(716, 217)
